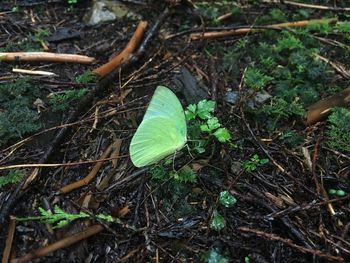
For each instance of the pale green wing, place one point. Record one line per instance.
(155, 139)
(164, 103)
(162, 131)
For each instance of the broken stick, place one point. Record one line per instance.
(243, 31)
(321, 109)
(45, 57)
(125, 54)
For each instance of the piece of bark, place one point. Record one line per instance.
(321, 109)
(45, 57)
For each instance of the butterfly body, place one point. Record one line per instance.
(162, 131)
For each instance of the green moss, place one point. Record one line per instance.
(339, 130)
(61, 101)
(17, 117)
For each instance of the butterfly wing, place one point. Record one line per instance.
(162, 131)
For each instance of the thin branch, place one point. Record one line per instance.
(65, 242)
(290, 243)
(45, 57)
(319, 7)
(251, 30)
(125, 54)
(321, 109)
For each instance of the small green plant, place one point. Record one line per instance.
(339, 129)
(339, 192)
(60, 218)
(226, 199)
(217, 221)
(214, 256)
(255, 79)
(85, 78)
(12, 177)
(252, 164)
(61, 101)
(72, 2)
(291, 138)
(174, 188)
(202, 123)
(185, 175)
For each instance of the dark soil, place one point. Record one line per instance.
(282, 213)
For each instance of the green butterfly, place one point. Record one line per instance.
(162, 131)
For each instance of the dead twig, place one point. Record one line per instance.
(68, 188)
(321, 109)
(319, 7)
(336, 66)
(17, 166)
(34, 72)
(9, 240)
(290, 243)
(251, 30)
(125, 54)
(45, 57)
(65, 242)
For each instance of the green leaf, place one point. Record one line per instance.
(205, 108)
(217, 222)
(222, 134)
(190, 113)
(211, 125)
(226, 199)
(213, 256)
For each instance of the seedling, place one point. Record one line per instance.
(61, 101)
(226, 199)
(217, 221)
(85, 78)
(203, 124)
(60, 218)
(252, 164)
(339, 193)
(256, 79)
(214, 256)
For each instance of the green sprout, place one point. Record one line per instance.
(203, 123)
(252, 164)
(85, 78)
(214, 256)
(226, 199)
(339, 193)
(60, 218)
(61, 101)
(217, 222)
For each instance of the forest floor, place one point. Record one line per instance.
(264, 176)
